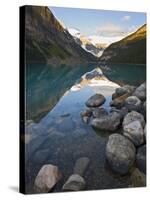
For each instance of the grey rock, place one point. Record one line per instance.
(130, 88)
(138, 179)
(145, 133)
(114, 95)
(126, 89)
(46, 178)
(144, 106)
(133, 103)
(74, 183)
(133, 116)
(120, 153)
(119, 101)
(81, 165)
(134, 131)
(115, 110)
(107, 123)
(99, 112)
(95, 100)
(141, 158)
(123, 111)
(144, 109)
(121, 91)
(140, 92)
(86, 119)
(86, 113)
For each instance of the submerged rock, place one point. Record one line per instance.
(141, 158)
(95, 101)
(86, 119)
(86, 113)
(138, 179)
(74, 183)
(65, 115)
(99, 112)
(133, 103)
(134, 131)
(107, 123)
(140, 92)
(81, 165)
(47, 178)
(120, 153)
(133, 116)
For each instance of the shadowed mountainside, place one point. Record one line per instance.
(131, 49)
(48, 42)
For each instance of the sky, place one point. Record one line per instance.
(100, 23)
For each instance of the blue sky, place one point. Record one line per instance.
(100, 22)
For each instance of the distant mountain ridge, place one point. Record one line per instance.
(131, 49)
(48, 42)
(86, 43)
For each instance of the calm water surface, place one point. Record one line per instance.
(59, 136)
(46, 84)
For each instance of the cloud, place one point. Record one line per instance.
(111, 30)
(114, 30)
(126, 18)
(95, 39)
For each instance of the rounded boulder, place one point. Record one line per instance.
(95, 101)
(120, 153)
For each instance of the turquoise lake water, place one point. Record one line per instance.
(46, 84)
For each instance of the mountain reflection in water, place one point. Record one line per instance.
(46, 84)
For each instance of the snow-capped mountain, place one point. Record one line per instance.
(88, 43)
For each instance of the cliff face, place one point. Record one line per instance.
(48, 42)
(131, 49)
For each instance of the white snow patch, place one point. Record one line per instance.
(74, 32)
(95, 83)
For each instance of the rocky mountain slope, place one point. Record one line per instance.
(47, 41)
(131, 49)
(86, 43)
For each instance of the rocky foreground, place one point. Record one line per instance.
(125, 121)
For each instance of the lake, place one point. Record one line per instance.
(59, 136)
(46, 84)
